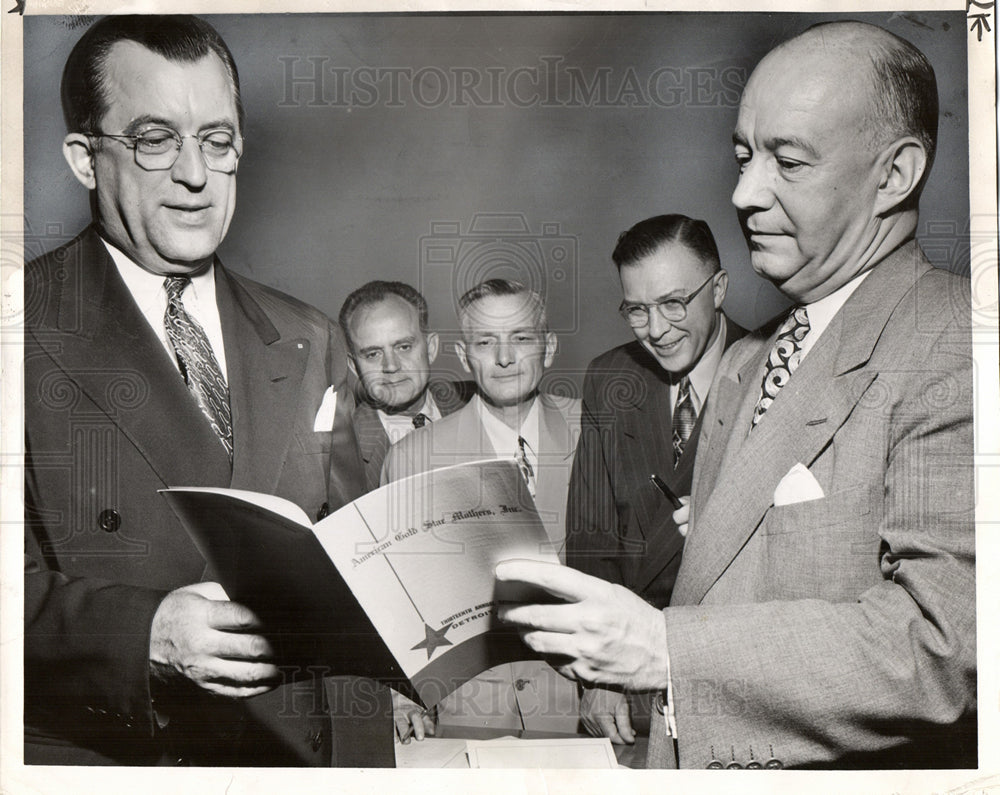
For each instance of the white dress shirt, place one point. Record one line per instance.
(150, 296)
(821, 312)
(703, 372)
(399, 425)
(504, 438)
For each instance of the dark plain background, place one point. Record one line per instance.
(366, 158)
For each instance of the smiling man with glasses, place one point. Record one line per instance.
(180, 373)
(641, 407)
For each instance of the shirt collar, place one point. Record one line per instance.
(398, 425)
(503, 437)
(703, 372)
(821, 312)
(147, 288)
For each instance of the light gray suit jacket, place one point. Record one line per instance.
(526, 694)
(460, 438)
(839, 631)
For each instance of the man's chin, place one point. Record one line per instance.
(394, 402)
(773, 267)
(188, 245)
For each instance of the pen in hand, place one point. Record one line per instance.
(663, 487)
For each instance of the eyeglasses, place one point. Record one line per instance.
(673, 310)
(157, 149)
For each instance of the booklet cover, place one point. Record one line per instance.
(397, 585)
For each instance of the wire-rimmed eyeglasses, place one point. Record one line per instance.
(673, 310)
(157, 149)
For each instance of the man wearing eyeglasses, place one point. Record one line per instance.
(149, 365)
(642, 405)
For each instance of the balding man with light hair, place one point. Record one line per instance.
(824, 611)
(506, 347)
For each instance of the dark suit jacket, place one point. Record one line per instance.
(838, 630)
(108, 421)
(619, 526)
(373, 441)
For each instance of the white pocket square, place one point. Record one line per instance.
(798, 485)
(327, 411)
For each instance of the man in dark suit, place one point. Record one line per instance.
(391, 351)
(148, 365)
(824, 612)
(642, 405)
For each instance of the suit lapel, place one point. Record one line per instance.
(555, 445)
(367, 426)
(265, 375)
(663, 542)
(108, 349)
(799, 424)
(645, 447)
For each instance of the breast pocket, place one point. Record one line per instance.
(314, 442)
(827, 548)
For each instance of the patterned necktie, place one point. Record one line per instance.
(684, 418)
(419, 420)
(527, 471)
(198, 364)
(783, 360)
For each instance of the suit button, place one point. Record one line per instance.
(316, 741)
(324, 511)
(715, 764)
(734, 766)
(754, 765)
(773, 764)
(520, 684)
(109, 520)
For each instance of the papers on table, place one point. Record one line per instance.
(508, 752)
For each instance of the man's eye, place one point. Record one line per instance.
(785, 164)
(371, 355)
(742, 159)
(156, 140)
(485, 343)
(404, 348)
(217, 142)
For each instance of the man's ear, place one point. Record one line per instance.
(719, 289)
(79, 153)
(903, 166)
(551, 346)
(432, 346)
(352, 365)
(460, 353)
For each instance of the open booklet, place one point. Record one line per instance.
(398, 585)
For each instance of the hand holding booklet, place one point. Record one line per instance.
(397, 585)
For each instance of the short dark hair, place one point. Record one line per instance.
(175, 37)
(647, 237)
(904, 95)
(375, 292)
(502, 287)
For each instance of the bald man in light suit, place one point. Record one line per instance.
(824, 612)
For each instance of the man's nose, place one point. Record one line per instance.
(505, 354)
(752, 190)
(390, 362)
(189, 168)
(658, 325)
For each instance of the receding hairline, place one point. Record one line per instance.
(855, 50)
(526, 297)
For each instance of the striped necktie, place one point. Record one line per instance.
(683, 419)
(523, 464)
(198, 364)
